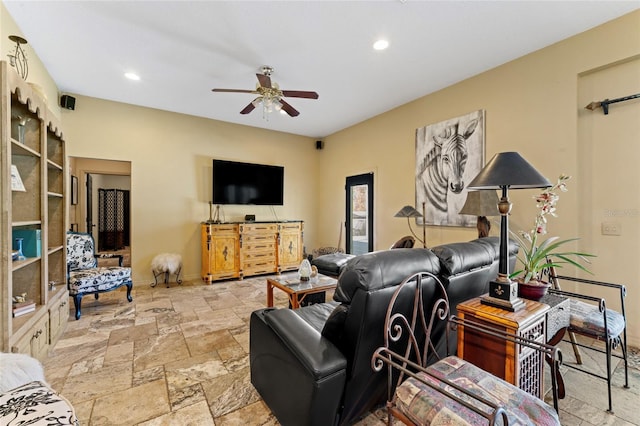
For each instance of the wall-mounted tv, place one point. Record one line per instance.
(247, 183)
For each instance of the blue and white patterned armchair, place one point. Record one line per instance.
(84, 276)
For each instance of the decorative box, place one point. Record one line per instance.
(32, 242)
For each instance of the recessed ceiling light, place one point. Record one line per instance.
(132, 76)
(381, 44)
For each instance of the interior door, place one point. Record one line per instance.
(359, 223)
(89, 207)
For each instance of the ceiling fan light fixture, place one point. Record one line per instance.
(271, 96)
(270, 104)
(267, 103)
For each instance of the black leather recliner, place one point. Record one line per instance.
(312, 366)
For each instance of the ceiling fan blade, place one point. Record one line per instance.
(265, 80)
(249, 107)
(233, 91)
(300, 94)
(289, 109)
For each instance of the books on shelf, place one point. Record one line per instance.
(21, 308)
(17, 313)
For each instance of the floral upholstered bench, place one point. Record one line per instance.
(420, 401)
(435, 389)
(35, 404)
(25, 398)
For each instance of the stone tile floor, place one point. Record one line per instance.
(179, 356)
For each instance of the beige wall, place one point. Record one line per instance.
(532, 106)
(608, 154)
(170, 156)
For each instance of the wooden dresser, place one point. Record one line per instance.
(243, 249)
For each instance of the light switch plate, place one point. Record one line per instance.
(611, 228)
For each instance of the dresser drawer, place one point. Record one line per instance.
(221, 229)
(258, 228)
(258, 267)
(291, 227)
(259, 246)
(258, 256)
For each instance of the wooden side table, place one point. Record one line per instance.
(516, 364)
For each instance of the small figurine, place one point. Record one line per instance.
(21, 298)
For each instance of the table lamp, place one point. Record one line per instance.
(506, 170)
(481, 204)
(409, 212)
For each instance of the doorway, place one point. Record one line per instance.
(359, 214)
(96, 176)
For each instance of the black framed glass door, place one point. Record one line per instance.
(359, 214)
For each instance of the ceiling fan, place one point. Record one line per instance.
(271, 95)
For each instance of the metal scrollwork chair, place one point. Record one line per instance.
(590, 317)
(425, 387)
(84, 276)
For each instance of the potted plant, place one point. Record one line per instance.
(537, 254)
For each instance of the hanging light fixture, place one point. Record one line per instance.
(270, 99)
(18, 59)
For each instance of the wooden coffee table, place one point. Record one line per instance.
(296, 289)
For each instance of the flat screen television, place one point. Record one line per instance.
(247, 183)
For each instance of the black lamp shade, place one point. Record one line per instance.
(508, 169)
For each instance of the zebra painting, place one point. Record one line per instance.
(449, 155)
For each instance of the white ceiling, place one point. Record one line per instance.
(183, 49)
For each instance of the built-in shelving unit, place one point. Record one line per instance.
(32, 142)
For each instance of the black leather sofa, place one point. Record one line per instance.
(312, 366)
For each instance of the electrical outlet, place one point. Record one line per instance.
(611, 228)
